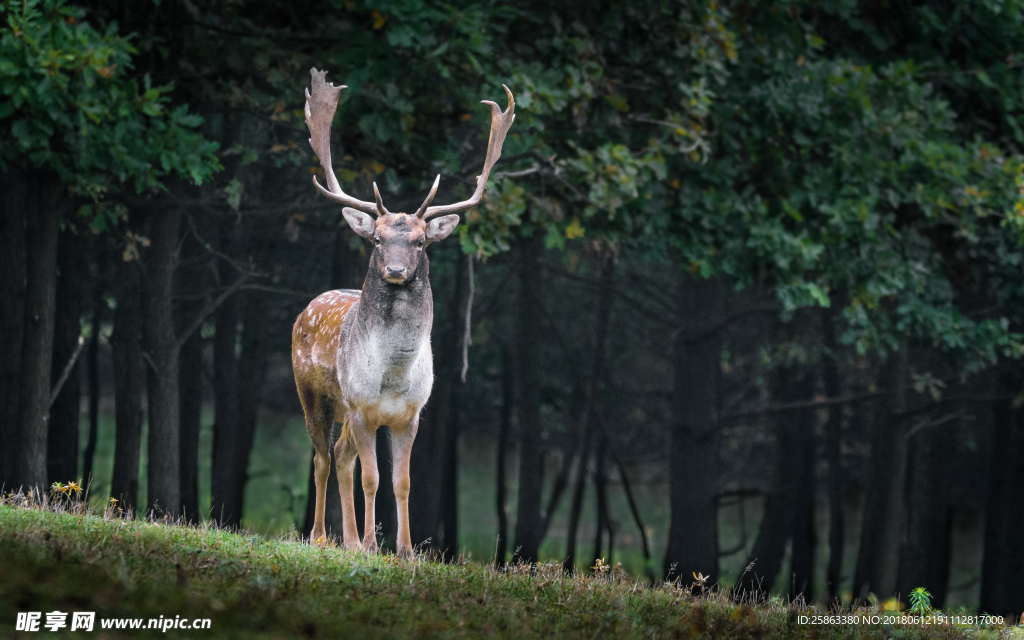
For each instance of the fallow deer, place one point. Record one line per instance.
(363, 358)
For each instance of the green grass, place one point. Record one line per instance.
(252, 586)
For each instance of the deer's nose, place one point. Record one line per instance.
(395, 272)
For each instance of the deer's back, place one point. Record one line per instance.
(316, 338)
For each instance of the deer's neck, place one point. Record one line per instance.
(397, 318)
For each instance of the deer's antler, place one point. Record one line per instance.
(501, 122)
(321, 103)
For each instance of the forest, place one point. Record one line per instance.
(741, 304)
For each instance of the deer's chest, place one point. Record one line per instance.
(387, 373)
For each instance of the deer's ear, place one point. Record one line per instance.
(360, 222)
(440, 228)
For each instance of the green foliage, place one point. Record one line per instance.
(920, 601)
(70, 103)
(830, 175)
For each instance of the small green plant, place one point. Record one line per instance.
(920, 601)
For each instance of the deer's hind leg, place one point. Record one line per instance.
(344, 465)
(318, 423)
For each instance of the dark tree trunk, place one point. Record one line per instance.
(162, 350)
(531, 448)
(504, 442)
(92, 356)
(576, 505)
(62, 442)
(190, 381)
(251, 375)
(789, 506)
(43, 216)
(129, 377)
(190, 277)
(223, 467)
(925, 556)
(449, 508)
(1002, 590)
(833, 456)
(882, 523)
(802, 441)
(13, 196)
(693, 451)
(603, 524)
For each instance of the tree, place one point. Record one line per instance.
(80, 127)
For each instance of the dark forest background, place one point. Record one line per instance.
(743, 299)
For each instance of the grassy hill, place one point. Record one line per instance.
(255, 587)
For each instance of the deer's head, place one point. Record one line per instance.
(399, 239)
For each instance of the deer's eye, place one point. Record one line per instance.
(419, 243)
(376, 241)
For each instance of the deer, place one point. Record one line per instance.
(362, 358)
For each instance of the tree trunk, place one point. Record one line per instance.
(129, 377)
(693, 450)
(190, 380)
(162, 349)
(603, 523)
(925, 555)
(43, 216)
(13, 198)
(92, 356)
(62, 441)
(224, 463)
(789, 506)
(252, 370)
(882, 523)
(449, 508)
(1003, 561)
(531, 448)
(833, 456)
(801, 443)
(191, 276)
(504, 442)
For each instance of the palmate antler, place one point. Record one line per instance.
(322, 102)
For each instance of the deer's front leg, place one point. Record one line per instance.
(344, 466)
(366, 445)
(401, 452)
